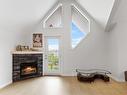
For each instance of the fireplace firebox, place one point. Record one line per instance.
(27, 66)
(28, 69)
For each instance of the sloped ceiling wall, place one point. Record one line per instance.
(18, 13)
(99, 9)
(21, 12)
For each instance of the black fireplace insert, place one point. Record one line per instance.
(28, 69)
(27, 66)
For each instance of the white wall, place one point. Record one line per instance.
(117, 42)
(9, 38)
(90, 53)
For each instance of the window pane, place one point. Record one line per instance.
(76, 35)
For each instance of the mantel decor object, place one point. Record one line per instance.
(22, 48)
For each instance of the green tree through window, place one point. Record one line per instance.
(53, 61)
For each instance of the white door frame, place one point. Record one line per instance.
(46, 72)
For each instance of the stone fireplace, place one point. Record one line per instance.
(27, 66)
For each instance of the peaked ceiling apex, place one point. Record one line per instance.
(100, 10)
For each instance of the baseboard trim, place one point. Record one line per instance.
(116, 79)
(68, 74)
(6, 84)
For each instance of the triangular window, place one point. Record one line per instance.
(54, 19)
(77, 35)
(79, 27)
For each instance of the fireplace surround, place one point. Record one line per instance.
(27, 66)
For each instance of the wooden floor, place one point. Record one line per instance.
(63, 86)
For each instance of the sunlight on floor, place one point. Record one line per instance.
(53, 85)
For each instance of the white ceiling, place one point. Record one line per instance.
(24, 12)
(99, 9)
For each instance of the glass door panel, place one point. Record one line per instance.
(52, 56)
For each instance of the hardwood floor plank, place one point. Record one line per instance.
(53, 85)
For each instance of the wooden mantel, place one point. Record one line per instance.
(27, 52)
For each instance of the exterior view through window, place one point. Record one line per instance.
(77, 35)
(53, 54)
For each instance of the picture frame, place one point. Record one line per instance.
(37, 40)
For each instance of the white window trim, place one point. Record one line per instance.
(80, 11)
(52, 12)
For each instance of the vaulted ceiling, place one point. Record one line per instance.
(21, 12)
(99, 9)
